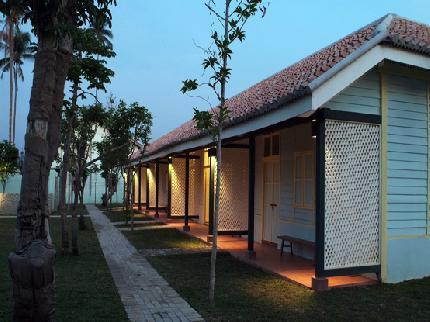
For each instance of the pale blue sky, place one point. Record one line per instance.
(154, 41)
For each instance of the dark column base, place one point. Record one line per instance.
(320, 283)
(157, 215)
(210, 238)
(186, 228)
(252, 254)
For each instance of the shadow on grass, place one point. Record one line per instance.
(163, 238)
(84, 286)
(118, 213)
(249, 294)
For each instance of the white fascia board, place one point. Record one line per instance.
(360, 66)
(297, 108)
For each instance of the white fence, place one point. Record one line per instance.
(94, 189)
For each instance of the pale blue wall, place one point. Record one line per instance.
(362, 96)
(408, 245)
(292, 221)
(407, 156)
(297, 222)
(408, 258)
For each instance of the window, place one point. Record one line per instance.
(271, 145)
(304, 180)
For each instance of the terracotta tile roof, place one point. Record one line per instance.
(293, 81)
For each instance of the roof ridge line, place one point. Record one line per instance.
(379, 34)
(384, 24)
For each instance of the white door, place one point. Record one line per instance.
(270, 200)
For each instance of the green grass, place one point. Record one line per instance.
(163, 238)
(84, 286)
(141, 224)
(249, 294)
(116, 214)
(79, 210)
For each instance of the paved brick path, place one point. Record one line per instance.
(145, 294)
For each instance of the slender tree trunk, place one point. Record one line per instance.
(215, 222)
(11, 55)
(65, 167)
(75, 246)
(219, 160)
(32, 265)
(81, 186)
(15, 105)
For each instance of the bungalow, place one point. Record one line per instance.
(332, 151)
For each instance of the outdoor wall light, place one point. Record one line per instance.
(314, 129)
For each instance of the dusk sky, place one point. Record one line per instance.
(155, 46)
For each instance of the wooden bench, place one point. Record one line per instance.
(295, 240)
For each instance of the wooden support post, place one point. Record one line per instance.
(187, 190)
(147, 187)
(318, 133)
(157, 187)
(139, 188)
(251, 186)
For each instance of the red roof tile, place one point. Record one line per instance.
(293, 81)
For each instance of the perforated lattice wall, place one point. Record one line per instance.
(151, 178)
(196, 196)
(351, 232)
(178, 186)
(233, 212)
(143, 184)
(163, 185)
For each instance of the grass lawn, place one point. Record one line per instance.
(249, 294)
(163, 238)
(141, 224)
(79, 210)
(84, 286)
(118, 214)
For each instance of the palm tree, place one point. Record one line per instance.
(12, 11)
(99, 27)
(23, 49)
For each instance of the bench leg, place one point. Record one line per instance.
(291, 248)
(282, 247)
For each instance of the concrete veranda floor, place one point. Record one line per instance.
(293, 268)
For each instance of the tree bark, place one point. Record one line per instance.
(32, 265)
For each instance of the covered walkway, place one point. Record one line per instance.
(293, 268)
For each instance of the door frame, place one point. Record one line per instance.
(267, 160)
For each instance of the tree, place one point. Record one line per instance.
(87, 122)
(52, 23)
(126, 127)
(231, 20)
(84, 67)
(13, 10)
(23, 48)
(9, 156)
